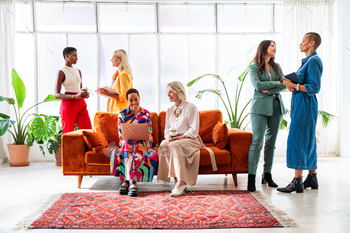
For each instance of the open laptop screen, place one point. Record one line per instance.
(135, 131)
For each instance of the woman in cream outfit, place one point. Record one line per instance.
(179, 155)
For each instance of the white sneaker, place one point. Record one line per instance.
(176, 192)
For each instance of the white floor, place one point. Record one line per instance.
(25, 189)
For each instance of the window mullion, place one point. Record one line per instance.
(36, 72)
(98, 55)
(157, 59)
(216, 55)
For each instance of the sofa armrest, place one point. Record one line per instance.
(73, 152)
(238, 144)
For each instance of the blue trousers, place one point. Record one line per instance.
(267, 126)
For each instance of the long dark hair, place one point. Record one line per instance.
(259, 58)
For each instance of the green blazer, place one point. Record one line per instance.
(262, 103)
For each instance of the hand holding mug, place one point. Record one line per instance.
(84, 93)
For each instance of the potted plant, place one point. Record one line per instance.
(45, 131)
(236, 118)
(18, 128)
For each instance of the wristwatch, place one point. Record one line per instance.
(297, 87)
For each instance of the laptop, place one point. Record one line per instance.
(135, 131)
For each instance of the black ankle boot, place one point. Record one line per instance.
(311, 181)
(295, 185)
(267, 179)
(251, 183)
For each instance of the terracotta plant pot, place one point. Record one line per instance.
(19, 155)
(58, 157)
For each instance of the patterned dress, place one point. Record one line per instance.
(134, 160)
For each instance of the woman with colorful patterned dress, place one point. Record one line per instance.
(121, 82)
(134, 161)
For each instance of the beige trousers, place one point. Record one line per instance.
(179, 159)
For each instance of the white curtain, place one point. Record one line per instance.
(7, 29)
(300, 17)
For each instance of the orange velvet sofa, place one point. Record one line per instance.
(79, 161)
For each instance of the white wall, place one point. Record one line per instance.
(344, 53)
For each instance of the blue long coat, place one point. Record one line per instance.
(301, 145)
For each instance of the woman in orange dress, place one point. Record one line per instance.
(121, 82)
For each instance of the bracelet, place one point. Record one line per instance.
(297, 87)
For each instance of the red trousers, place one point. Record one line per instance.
(74, 111)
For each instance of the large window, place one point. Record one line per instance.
(165, 42)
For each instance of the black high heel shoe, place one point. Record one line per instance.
(267, 179)
(123, 190)
(133, 190)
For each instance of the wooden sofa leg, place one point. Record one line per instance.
(80, 179)
(234, 176)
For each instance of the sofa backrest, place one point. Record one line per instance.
(207, 121)
(108, 124)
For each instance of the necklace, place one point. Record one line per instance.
(177, 112)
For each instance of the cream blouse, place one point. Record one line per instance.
(187, 122)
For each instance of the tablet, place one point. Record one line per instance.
(135, 131)
(293, 77)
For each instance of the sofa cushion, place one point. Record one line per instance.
(207, 121)
(220, 135)
(221, 156)
(102, 157)
(95, 140)
(108, 124)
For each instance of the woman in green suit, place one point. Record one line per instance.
(266, 111)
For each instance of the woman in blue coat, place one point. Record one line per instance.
(301, 145)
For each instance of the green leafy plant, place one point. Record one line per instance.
(44, 130)
(18, 128)
(236, 118)
(326, 117)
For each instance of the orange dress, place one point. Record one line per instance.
(122, 83)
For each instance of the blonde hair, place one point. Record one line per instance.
(179, 89)
(124, 64)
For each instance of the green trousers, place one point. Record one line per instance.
(268, 126)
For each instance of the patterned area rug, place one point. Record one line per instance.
(152, 210)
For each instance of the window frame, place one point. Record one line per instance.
(157, 34)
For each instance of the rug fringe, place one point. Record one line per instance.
(24, 224)
(281, 216)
